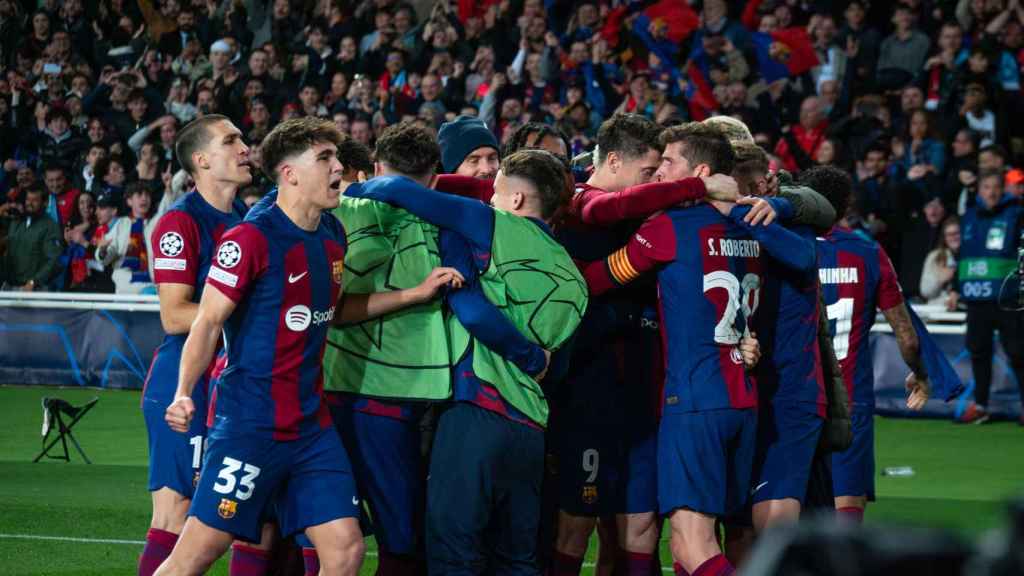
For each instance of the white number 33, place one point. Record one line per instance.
(226, 478)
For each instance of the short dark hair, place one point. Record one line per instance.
(629, 135)
(355, 156)
(994, 149)
(409, 149)
(135, 188)
(539, 130)
(54, 167)
(986, 174)
(548, 175)
(702, 144)
(832, 183)
(137, 94)
(875, 147)
(194, 137)
(57, 112)
(293, 137)
(751, 162)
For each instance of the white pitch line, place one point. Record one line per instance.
(70, 539)
(370, 553)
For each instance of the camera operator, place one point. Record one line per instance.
(991, 227)
(34, 244)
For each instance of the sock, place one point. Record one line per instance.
(395, 565)
(311, 561)
(565, 565)
(634, 564)
(159, 544)
(851, 514)
(715, 566)
(679, 570)
(248, 561)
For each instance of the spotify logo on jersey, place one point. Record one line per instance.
(297, 318)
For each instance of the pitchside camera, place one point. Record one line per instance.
(827, 547)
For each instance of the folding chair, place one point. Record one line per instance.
(56, 409)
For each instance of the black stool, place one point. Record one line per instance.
(56, 409)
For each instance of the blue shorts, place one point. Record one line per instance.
(705, 460)
(787, 436)
(174, 458)
(853, 470)
(389, 473)
(309, 482)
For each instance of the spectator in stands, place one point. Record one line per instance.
(78, 235)
(61, 192)
(112, 175)
(963, 158)
(938, 277)
(919, 237)
(468, 148)
(976, 114)
(902, 54)
(59, 144)
(800, 143)
(126, 246)
(34, 245)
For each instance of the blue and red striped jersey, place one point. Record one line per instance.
(856, 278)
(709, 284)
(286, 282)
(787, 328)
(183, 243)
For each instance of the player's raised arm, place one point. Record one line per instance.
(606, 208)
(652, 245)
(792, 249)
(360, 307)
(470, 218)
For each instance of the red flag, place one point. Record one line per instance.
(801, 57)
(677, 15)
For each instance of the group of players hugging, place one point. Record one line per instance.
(484, 371)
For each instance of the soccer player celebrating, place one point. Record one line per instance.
(383, 375)
(483, 505)
(605, 428)
(857, 278)
(706, 434)
(275, 286)
(211, 150)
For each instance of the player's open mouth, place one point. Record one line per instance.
(335, 184)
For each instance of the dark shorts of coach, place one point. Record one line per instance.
(483, 494)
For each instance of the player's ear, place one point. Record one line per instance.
(702, 171)
(200, 160)
(378, 169)
(613, 161)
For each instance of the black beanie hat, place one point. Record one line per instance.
(460, 137)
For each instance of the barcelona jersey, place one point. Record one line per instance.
(286, 282)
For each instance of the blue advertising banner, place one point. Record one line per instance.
(890, 372)
(67, 347)
(112, 348)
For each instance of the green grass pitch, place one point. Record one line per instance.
(963, 473)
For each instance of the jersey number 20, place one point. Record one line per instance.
(226, 480)
(743, 295)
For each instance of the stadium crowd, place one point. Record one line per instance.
(915, 99)
(114, 112)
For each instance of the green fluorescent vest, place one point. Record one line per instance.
(403, 355)
(535, 283)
